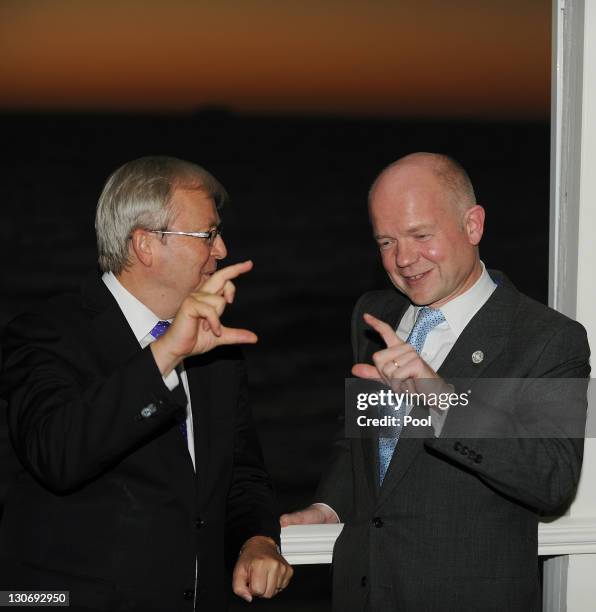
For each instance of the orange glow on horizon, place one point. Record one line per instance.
(431, 58)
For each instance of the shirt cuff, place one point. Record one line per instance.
(437, 419)
(329, 508)
(171, 381)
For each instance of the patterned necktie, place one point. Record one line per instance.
(428, 318)
(160, 328)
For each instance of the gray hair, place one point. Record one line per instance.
(137, 195)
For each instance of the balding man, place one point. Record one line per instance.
(128, 412)
(448, 521)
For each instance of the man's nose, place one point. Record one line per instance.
(405, 254)
(219, 250)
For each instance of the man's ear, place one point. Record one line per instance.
(474, 224)
(141, 243)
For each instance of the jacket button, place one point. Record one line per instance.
(199, 523)
(363, 581)
(148, 411)
(377, 521)
(188, 594)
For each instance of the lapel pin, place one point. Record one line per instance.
(477, 356)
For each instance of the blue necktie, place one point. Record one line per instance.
(428, 318)
(160, 329)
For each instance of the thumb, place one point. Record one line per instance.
(240, 581)
(308, 516)
(290, 519)
(232, 335)
(364, 370)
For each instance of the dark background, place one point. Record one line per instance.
(298, 189)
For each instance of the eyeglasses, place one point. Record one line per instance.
(208, 236)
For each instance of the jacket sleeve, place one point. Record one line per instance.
(533, 451)
(66, 425)
(251, 507)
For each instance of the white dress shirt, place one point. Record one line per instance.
(458, 313)
(142, 321)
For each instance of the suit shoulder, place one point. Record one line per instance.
(48, 321)
(377, 300)
(557, 334)
(56, 308)
(536, 317)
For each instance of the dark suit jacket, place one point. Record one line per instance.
(453, 528)
(107, 504)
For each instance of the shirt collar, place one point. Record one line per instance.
(139, 317)
(459, 311)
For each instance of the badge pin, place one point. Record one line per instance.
(477, 356)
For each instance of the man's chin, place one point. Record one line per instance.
(418, 298)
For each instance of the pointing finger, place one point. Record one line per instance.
(383, 329)
(217, 281)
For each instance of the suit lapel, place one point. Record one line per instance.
(486, 335)
(201, 403)
(111, 334)
(487, 332)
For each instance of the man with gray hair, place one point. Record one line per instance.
(127, 409)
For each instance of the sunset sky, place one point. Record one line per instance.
(446, 58)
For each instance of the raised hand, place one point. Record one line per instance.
(395, 365)
(197, 327)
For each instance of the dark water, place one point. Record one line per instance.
(298, 209)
